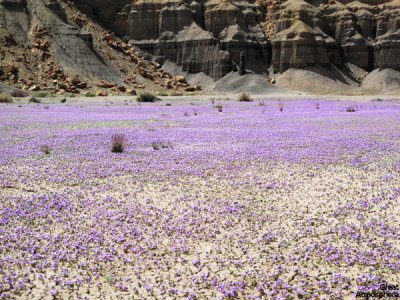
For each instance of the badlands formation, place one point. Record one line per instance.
(111, 46)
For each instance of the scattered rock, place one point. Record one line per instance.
(190, 89)
(102, 94)
(105, 84)
(34, 88)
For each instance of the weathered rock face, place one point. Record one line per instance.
(103, 11)
(208, 36)
(52, 45)
(199, 36)
(363, 33)
(387, 44)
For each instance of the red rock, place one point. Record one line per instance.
(122, 89)
(150, 76)
(168, 84)
(105, 84)
(142, 72)
(179, 79)
(102, 94)
(132, 92)
(110, 37)
(10, 69)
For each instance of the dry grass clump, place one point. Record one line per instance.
(245, 98)
(147, 97)
(34, 100)
(45, 149)
(350, 109)
(281, 106)
(219, 107)
(161, 145)
(118, 142)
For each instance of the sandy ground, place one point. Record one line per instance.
(250, 203)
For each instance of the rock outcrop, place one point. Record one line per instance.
(64, 38)
(45, 44)
(363, 33)
(208, 36)
(204, 36)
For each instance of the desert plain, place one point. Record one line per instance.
(278, 198)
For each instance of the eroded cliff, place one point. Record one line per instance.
(64, 37)
(208, 36)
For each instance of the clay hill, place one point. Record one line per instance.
(324, 46)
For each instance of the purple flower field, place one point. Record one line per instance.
(247, 203)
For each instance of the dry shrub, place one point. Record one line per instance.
(281, 106)
(118, 142)
(245, 98)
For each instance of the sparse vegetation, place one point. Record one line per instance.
(261, 103)
(34, 100)
(147, 97)
(281, 106)
(245, 98)
(118, 143)
(176, 94)
(5, 98)
(219, 107)
(42, 94)
(350, 109)
(17, 93)
(318, 106)
(161, 145)
(90, 94)
(45, 149)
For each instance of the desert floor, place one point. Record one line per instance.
(290, 199)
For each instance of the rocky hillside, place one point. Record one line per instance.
(51, 45)
(347, 38)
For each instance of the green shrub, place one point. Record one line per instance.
(90, 94)
(5, 98)
(34, 100)
(42, 94)
(147, 97)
